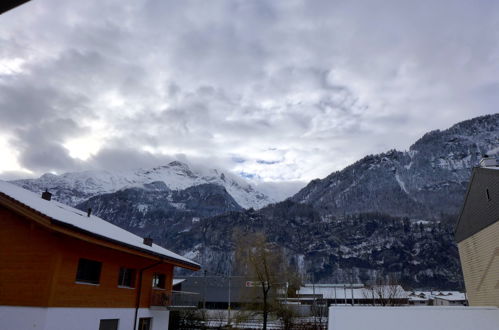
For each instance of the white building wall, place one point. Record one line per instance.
(413, 318)
(13, 318)
(24, 318)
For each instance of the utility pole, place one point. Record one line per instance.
(335, 299)
(351, 284)
(315, 305)
(204, 291)
(228, 311)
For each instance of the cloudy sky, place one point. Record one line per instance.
(271, 90)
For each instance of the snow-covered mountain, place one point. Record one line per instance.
(426, 181)
(76, 187)
(390, 214)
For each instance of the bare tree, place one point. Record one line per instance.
(264, 263)
(385, 292)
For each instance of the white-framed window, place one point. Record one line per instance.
(159, 281)
(126, 277)
(88, 271)
(109, 324)
(145, 323)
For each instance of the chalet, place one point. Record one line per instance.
(450, 299)
(477, 235)
(61, 268)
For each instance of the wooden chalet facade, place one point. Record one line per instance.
(61, 268)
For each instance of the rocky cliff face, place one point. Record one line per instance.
(355, 248)
(154, 207)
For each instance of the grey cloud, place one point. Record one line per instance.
(323, 82)
(122, 158)
(40, 144)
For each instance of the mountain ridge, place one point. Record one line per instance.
(428, 179)
(74, 188)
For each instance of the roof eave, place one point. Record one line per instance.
(30, 210)
(178, 262)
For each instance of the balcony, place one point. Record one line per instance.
(174, 300)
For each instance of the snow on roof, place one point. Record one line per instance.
(425, 295)
(413, 318)
(79, 219)
(347, 292)
(455, 296)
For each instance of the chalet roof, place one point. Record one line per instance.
(61, 214)
(481, 205)
(459, 296)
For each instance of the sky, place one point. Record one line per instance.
(274, 91)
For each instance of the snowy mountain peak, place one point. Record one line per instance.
(76, 187)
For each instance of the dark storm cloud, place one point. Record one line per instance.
(313, 85)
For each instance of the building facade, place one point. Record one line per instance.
(61, 268)
(477, 235)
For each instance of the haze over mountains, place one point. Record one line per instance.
(390, 213)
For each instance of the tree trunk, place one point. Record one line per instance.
(265, 311)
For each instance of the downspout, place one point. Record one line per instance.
(139, 291)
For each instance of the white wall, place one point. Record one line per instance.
(13, 318)
(21, 318)
(413, 318)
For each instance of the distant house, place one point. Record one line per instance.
(445, 298)
(477, 235)
(418, 298)
(61, 268)
(450, 299)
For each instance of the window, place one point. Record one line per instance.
(158, 281)
(145, 323)
(109, 324)
(126, 277)
(88, 271)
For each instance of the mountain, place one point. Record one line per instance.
(74, 188)
(155, 207)
(386, 214)
(426, 181)
(357, 248)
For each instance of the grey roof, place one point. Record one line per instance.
(216, 288)
(481, 205)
